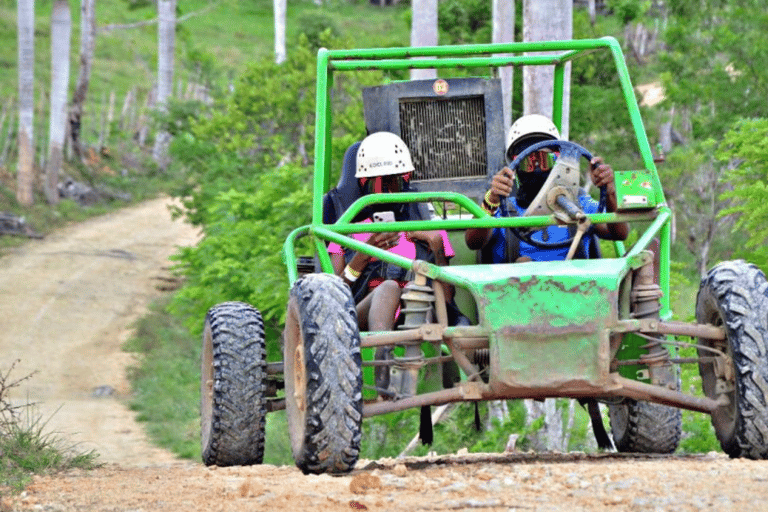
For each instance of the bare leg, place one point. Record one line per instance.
(362, 311)
(385, 299)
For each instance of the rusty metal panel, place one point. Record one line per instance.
(550, 328)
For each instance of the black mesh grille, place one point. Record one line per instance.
(446, 137)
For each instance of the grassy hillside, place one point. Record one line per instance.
(214, 42)
(219, 35)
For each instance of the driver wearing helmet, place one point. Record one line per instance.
(533, 172)
(383, 166)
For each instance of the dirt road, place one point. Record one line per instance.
(66, 308)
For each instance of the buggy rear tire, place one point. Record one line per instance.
(233, 386)
(323, 375)
(734, 295)
(645, 427)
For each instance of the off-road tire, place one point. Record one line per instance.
(734, 295)
(323, 375)
(645, 427)
(233, 386)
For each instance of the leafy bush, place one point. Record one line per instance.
(247, 176)
(745, 149)
(240, 256)
(464, 21)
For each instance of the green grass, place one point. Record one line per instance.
(27, 446)
(212, 47)
(27, 449)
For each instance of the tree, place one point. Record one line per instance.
(280, 8)
(745, 150)
(546, 20)
(424, 32)
(711, 79)
(87, 47)
(26, 38)
(503, 14)
(61, 29)
(166, 13)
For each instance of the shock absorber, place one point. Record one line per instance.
(418, 299)
(646, 304)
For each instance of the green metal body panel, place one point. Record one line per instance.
(630, 349)
(548, 322)
(634, 190)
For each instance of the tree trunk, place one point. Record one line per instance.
(424, 32)
(166, 39)
(504, 32)
(61, 30)
(546, 20)
(26, 38)
(87, 46)
(497, 410)
(280, 53)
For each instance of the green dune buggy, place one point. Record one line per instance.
(597, 329)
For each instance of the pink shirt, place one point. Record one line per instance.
(403, 248)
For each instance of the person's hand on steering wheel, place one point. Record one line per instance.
(602, 174)
(501, 185)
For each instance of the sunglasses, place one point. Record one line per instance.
(538, 160)
(381, 184)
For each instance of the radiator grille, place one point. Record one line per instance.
(446, 137)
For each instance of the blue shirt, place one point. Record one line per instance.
(554, 234)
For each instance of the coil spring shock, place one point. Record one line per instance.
(646, 303)
(418, 301)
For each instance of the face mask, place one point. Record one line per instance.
(529, 185)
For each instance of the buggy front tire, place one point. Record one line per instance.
(734, 295)
(645, 427)
(323, 375)
(233, 386)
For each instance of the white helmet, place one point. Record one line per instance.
(382, 154)
(532, 125)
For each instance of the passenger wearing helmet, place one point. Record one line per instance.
(384, 165)
(533, 172)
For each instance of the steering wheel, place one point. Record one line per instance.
(563, 179)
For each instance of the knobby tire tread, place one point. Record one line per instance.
(650, 428)
(333, 361)
(736, 292)
(239, 386)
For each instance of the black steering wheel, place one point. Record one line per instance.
(570, 153)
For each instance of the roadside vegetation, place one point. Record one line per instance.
(27, 447)
(242, 160)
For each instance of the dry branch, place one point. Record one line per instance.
(153, 21)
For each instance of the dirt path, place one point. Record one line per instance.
(514, 482)
(67, 305)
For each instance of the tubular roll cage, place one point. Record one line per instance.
(549, 53)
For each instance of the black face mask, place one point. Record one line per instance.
(530, 184)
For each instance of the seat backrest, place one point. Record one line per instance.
(347, 190)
